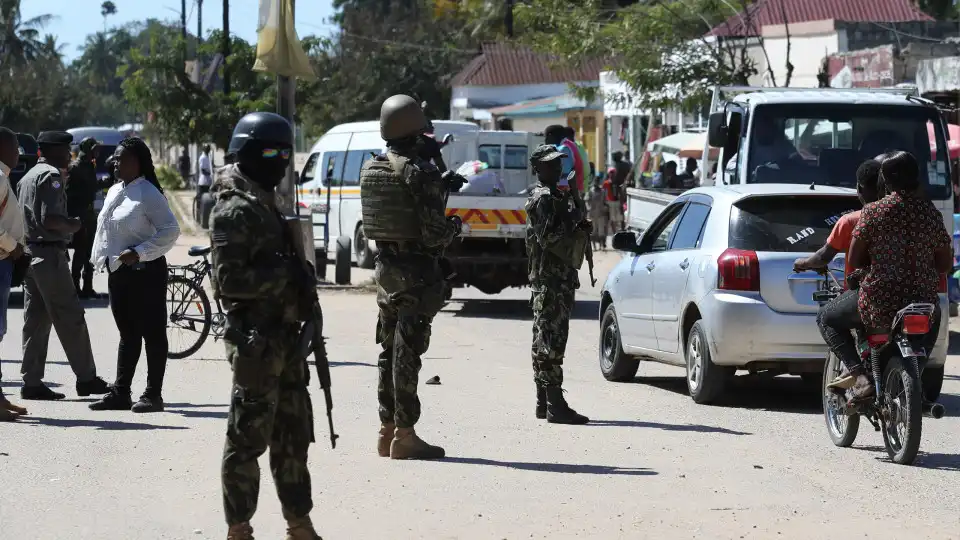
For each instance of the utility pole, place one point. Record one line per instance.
(225, 47)
(183, 23)
(199, 26)
(508, 19)
(286, 94)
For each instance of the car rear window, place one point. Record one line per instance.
(787, 223)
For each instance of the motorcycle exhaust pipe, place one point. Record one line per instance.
(934, 410)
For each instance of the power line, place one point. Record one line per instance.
(898, 33)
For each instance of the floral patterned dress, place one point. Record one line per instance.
(902, 232)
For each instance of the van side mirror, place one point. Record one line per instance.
(717, 130)
(626, 241)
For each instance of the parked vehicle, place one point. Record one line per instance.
(29, 155)
(896, 363)
(490, 254)
(710, 286)
(108, 139)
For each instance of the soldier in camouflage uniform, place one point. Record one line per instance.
(403, 199)
(554, 218)
(267, 294)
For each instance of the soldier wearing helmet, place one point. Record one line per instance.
(403, 203)
(82, 187)
(266, 293)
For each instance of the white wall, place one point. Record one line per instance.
(809, 43)
(538, 124)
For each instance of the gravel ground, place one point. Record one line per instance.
(653, 465)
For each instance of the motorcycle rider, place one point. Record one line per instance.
(903, 247)
(838, 317)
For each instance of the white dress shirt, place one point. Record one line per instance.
(204, 179)
(137, 216)
(12, 228)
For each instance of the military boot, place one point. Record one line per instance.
(406, 445)
(386, 436)
(301, 529)
(240, 531)
(559, 412)
(541, 402)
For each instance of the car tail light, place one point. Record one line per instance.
(738, 270)
(916, 324)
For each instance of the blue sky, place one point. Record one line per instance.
(78, 18)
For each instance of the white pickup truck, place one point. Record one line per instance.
(490, 254)
(816, 136)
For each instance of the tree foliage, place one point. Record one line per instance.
(660, 49)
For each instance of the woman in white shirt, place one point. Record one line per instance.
(135, 230)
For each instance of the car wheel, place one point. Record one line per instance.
(362, 248)
(614, 363)
(932, 381)
(341, 262)
(705, 380)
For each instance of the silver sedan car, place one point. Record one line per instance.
(710, 286)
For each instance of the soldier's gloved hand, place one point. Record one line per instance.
(586, 225)
(429, 148)
(453, 181)
(457, 224)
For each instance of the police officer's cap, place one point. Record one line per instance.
(545, 153)
(54, 138)
(263, 127)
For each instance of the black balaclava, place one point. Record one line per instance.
(266, 172)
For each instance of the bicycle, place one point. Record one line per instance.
(184, 292)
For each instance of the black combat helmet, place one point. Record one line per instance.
(401, 117)
(263, 127)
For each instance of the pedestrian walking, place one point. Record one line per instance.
(134, 232)
(49, 297)
(11, 245)
(611, 197)
(82, 188)
(204, 171)
(597, 205)
(557, 232)
(266, 292)
(183, 166)
(403, 200)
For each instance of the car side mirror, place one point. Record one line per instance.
(717, 130)
(626, 241)
(447, 139)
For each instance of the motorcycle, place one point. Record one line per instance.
(894, 363)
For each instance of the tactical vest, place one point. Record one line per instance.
(387, 207)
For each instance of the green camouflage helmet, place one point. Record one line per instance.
(401, 117)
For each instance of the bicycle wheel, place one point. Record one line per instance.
(188, 317)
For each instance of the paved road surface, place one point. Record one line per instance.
(653, 465)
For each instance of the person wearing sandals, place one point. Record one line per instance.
(901, 246)
(135, 230)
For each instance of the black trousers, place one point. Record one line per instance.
(81, 266)
(139, 305)
(837, 320)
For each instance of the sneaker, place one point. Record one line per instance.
(40, 392)
(114, 401)
(96, 386)
(148, 404)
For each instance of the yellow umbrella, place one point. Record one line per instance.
(278, 47)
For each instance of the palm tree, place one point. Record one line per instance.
(20, 40)
(107, 9)
(98, 63)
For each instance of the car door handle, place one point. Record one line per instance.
(685, 264)
(651, 266)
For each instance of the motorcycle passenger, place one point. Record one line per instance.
(903, 247)
(840, 316)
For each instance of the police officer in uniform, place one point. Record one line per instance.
(49, 297)
(82, 187)
(557, 232)
(267, 293)
(403, 206)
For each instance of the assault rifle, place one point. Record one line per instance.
(574, 189)
(311, 335)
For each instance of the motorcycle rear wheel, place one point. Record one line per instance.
(903, 418)
(841, 427)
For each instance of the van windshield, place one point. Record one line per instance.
(825, 143)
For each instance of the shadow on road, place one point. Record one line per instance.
(554, 467)
(953, 346)
(106, 425)
(937, 462)
(349, 364)
(187, 410)
(16, 301)
(18, 384)
(779, 394)
(696, 428)
(583, 310)
(950, 402)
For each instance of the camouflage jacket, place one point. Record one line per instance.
(255, 268)
(552, 216)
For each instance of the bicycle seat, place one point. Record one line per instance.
(198, 251)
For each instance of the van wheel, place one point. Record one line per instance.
(615, 365)
(705, 380)
(362, 247)
(320, 256)
(206, 207)
(341, 262)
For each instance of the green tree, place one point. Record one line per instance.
(20, 40)
(941, 10)
(107, 9)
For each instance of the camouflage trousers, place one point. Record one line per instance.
(552, 304)
(269, 408)
(407, 305)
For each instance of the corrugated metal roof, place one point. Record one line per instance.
(771, 12)
(506, 65)
(543, 106)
